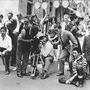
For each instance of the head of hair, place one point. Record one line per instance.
(19, 15)
(3, 27)
(1, 15)
(34, 30)
(31, 19)
(42, 37)
(26, 21)
(10, 13)
(76, 49)
(50, 31)
(33, 16)
(57, 26)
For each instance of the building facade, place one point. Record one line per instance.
(27, 7)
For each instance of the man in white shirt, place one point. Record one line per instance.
(47, 55)
(5, 47)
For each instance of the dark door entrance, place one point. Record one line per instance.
(29, 7)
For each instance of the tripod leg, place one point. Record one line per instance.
(35, 63)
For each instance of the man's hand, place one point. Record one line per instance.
(68, 82)
(14, 32)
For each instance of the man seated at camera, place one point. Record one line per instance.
(5, 48)
(47, 55)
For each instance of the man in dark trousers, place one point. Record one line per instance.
(23, 49)
(11, 26)
(65, 38)
(24, 44)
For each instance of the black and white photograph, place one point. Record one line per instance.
(44, 44)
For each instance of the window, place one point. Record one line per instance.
(29, 7)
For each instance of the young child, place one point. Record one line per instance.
(79, 69)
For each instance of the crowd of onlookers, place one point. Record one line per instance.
(29, 41)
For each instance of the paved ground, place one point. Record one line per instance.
(12, 82)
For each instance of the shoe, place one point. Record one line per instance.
(25, 74)
(33, 76)
(45, 76)
(77, 84)
(19, 75)
(37, 73)
(7, 73)
(41, 75)
(59, 74)
(62, 80)
(81, 85)
(87, 78)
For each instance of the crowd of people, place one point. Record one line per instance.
(29, 41)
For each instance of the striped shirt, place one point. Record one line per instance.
(79, 62)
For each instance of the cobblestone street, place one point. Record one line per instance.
(12, 82)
